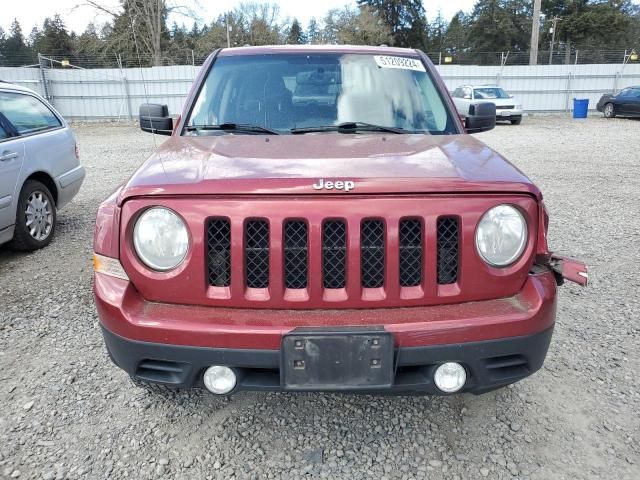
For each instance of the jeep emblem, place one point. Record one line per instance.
(337, 185)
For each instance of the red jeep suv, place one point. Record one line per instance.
(320, 220)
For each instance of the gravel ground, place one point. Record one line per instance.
(67, 412)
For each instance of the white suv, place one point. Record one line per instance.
(507, 107)
(40, 170)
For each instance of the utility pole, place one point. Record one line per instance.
(228, 28)
(535, 32)
(554, 21)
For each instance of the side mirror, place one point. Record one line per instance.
(155, 118)
(481, 117)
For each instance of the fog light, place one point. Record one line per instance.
(219, 380)
(450, 377)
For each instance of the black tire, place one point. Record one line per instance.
(609, 110)
(22, 238)
(516, 121)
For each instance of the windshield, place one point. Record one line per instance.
(486, 93)
(298, 91)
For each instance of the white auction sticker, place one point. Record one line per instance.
(404, 63)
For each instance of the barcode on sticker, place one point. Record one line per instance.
(404, 63)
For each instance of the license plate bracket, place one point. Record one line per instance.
(337, 360)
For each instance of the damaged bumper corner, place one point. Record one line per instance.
(566, 268)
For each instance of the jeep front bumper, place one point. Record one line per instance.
(497, 341)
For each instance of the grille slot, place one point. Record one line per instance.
(334, 254)
(448, 250)
(372, 253)
(219, 252)
(507, 366)
(256, 240)
(295, 254)
(410, 253)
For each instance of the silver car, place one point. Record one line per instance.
(507, 106)
(40, 171)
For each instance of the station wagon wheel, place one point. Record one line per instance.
(39, 213)
(35, 217)
(609, 111)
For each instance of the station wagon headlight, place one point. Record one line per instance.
(161, 239)
(501, 236)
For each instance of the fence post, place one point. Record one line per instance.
(567, 101)
(125, 84)
(43, 78)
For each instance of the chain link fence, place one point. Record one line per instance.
(113, 87)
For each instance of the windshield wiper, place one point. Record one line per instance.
(233, 127)
(350, 127)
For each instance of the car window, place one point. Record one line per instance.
(289, 90)
(3, 133)
(457, 93)
(487, 93)
(27, 113)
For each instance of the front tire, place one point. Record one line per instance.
(609, 111)
(35, 218)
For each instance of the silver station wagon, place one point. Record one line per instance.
(40, 170)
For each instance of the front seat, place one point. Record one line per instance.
(278, 104)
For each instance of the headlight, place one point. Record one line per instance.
(161, 239)
(501, 235)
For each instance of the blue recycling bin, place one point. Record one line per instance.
(580, 107)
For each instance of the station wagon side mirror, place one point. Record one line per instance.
(154, 118)
(482, 117)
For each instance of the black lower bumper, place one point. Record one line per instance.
(489, 364)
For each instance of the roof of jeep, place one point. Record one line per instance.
(272, 49)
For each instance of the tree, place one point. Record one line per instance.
(592, 24)
(13, 47)
(405, 18)
(296, 35)
(261, 23)
(250, 23)
(54, 39)
(456, 35)
(141, 25)
(500, 26)
(360, 26)
(437, 32)
(314, 35)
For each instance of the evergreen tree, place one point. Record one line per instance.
(405, 18)
(54, 39)
(13, 48)
(498, 26)
(456, 35)
(296, 35)
(313, 32)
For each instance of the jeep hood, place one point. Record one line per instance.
(291, 164)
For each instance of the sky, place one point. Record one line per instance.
(77, 15)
